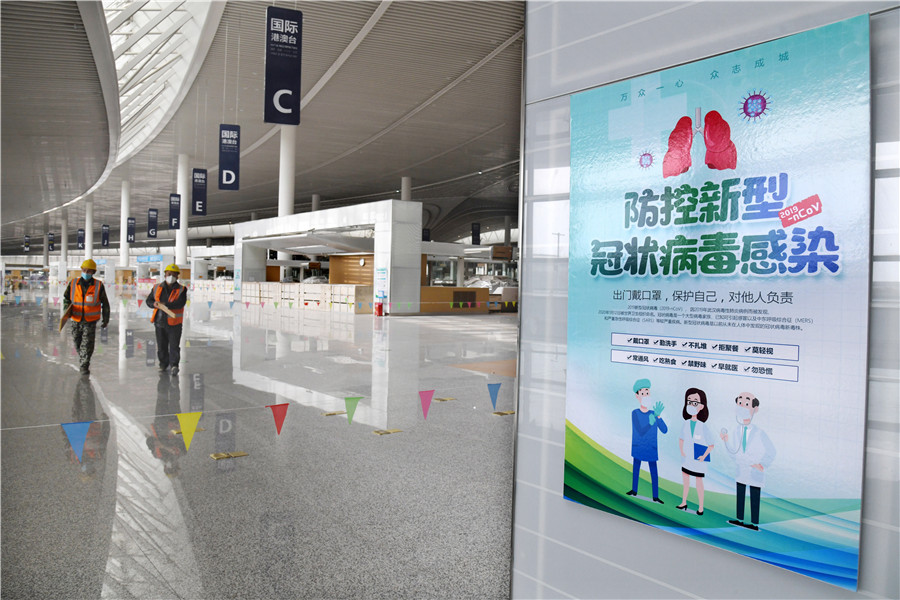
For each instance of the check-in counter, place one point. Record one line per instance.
(454, 300)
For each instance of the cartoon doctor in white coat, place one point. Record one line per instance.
(753, 452)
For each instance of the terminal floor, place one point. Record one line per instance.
(326, 509)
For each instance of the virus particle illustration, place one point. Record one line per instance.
(645, 160)
(755, 106)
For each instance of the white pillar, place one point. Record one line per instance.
(123, 224)
(460, 272)
(316, 201)
(406, 188)
(89, 228)
(47, 243)
(64, 247)
(286, 170)
(183, 189)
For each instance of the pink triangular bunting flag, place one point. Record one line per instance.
(426, 397)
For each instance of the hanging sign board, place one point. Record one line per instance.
(174, 211)
(198, 192)
(229, 157)
(129, 238)
(718, 300)
(80, 240)
(51, 239)
(104, 235)
(283, 48)
(476, 234)
(26, 247)
(152, 222)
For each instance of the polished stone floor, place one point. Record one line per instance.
(325, 509)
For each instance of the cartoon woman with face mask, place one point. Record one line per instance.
(695, 443)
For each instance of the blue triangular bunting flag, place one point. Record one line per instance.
(494, 388)
(209, 303)
(77, 434)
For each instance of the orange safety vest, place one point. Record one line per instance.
(173, 295)
(86, 303)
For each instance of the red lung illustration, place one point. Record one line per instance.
(720, 150)
(678, 157)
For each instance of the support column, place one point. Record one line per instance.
(406, 188)
(123, 224)
(89, 228)
(64, 247)
(286, 170)
(183, 189)
(460, 272)
(316, 201)
(47, 243)
(507, 230)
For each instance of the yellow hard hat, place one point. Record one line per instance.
(89, 264)
(173, 267)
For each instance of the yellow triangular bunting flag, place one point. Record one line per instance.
(187, 343)
(188, 422)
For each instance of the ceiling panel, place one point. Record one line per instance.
(432, 91)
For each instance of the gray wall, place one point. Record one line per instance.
(562, 549)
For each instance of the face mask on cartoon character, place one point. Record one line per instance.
(693, 410)
(742, 413)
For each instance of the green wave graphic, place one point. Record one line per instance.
(812, 536)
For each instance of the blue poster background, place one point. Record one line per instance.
(683, 276)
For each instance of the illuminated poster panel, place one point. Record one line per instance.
(718, 300)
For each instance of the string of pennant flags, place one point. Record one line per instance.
(38, 300)
(77, 431)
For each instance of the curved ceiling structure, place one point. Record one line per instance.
(429, 90)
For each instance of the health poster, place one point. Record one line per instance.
(718, 299)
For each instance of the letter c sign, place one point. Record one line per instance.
(276, 99)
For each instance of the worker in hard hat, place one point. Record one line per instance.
(172, 295)
(87, 298)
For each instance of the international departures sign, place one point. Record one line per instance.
(229, 157)
(174, 211)
(152, 222)
(284, 28)
(198, 192)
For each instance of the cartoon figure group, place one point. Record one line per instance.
(748, 444)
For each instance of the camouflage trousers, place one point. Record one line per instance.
(84, 333)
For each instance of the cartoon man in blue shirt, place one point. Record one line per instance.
(645, 422)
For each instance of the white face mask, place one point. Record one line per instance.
(645, 401)
(693, 410)
(170, 279)
(741, 414)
